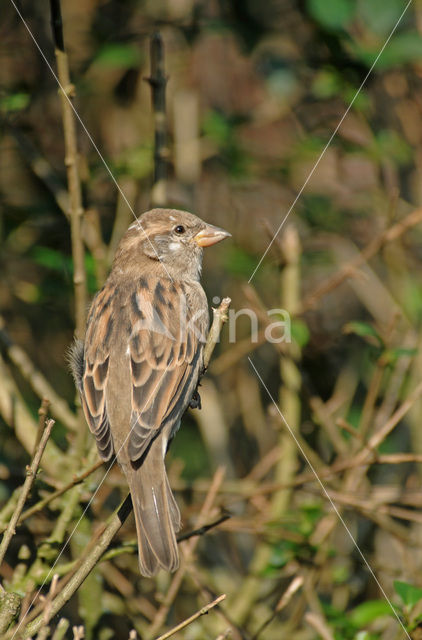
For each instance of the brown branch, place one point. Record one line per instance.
(36, 380)
(295, 584)
(10, 604)
(41, 168)
(204, 529)
(371, 249)
(195, 616)
(219, 318)
(61, 629)
(26, 488)
(189, 549)
(382, 433)
(67, 92)
(43, 503)
(320, 625)
(86, 566)
(158, 82)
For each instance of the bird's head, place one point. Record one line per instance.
(171, 237)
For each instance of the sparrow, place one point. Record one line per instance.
(138, 369)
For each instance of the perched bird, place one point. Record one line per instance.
(138, 368)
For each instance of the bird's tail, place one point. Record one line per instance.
(157, 515)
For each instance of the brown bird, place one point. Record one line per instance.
(138, 369)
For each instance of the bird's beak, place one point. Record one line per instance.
(210, 235)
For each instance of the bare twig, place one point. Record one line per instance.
(195, 616)
(158, 82)
(295, 584)
(50, 596)
(391, 234)
(10, 604)
(86, 566)
(41, 168)
(61, 629)
(78, 632)
(204, 529)
(43, 633)
(219, 318)
(42, 417)
(319, 624)
(383, 432)
(71, 161)
(189, 548)
(37, 381)
(43, 503)
(26, 488)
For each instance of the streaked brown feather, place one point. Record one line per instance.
(165, 349)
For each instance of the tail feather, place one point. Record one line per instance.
(157, 515)
(174, 509)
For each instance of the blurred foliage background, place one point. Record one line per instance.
(255, 91)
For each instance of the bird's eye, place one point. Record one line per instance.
(179, 229)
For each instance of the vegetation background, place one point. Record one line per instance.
(255, 92)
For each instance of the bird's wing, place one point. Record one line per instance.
(165, 349)
(96, 368)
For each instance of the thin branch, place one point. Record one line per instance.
(380, 435)
(86, 566)
(295, 584)
(319, 624)
(36, 380)
(189, 548)
(10, 605)
(42, 417)
(371, 249)
(71, 162)
(219, 318)
(61, 629)
(195, 616)
(204, 529)
(26, 488)
(158, 82)
(43, 503)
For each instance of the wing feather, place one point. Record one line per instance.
(164, 348)
(165, 356)
(96, 369)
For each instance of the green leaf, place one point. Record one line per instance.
(389, 144)
(119, 56)
(363, 329)
(333, 14)
(408, 592)
(217, 127)
(380, 16)
(51, 258)
(326, 83)
(137, 162)
(300, 332)
(390, 356)
(14, 102)
(403, 48)
(369, 611)
(365, 635)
